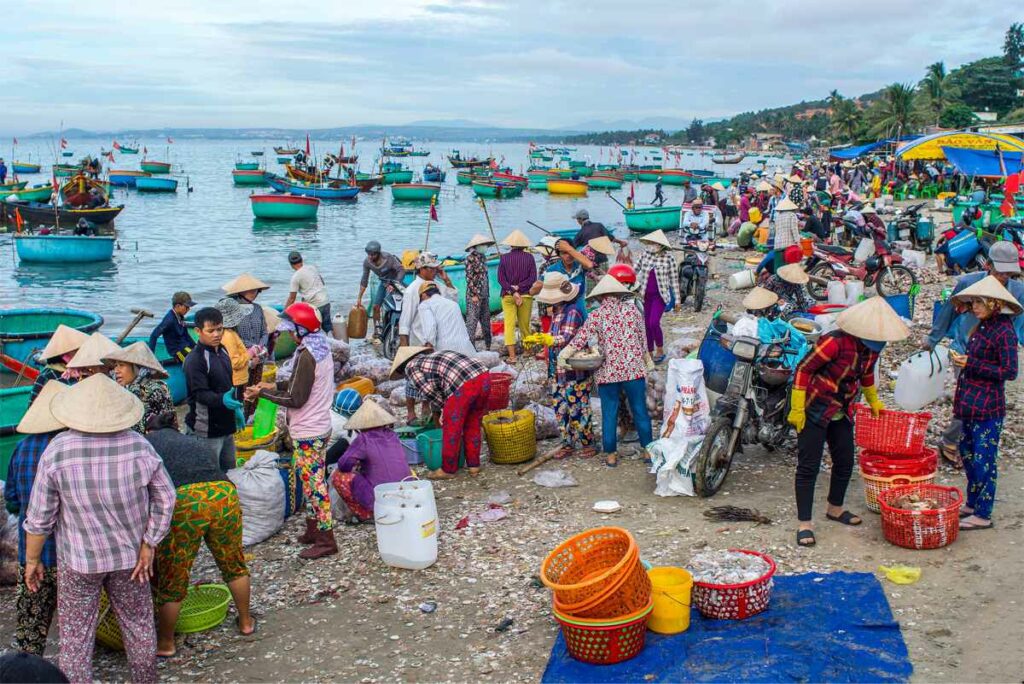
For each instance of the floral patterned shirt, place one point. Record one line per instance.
(619, 328)
(477, 284)
(155, 397)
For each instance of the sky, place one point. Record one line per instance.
(120, 64)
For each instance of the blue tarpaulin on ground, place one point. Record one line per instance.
(983, 162)
(819, 628)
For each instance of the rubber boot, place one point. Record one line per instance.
(323, 546)
(309, 536)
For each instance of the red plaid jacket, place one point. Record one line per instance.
(833, 373)
(991, 361)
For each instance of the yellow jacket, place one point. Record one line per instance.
(239, 357)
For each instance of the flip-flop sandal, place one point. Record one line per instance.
(846, 518)
(612, 464)
(588, 452)
(805, 538)
(970, 527)
(659, 359)
(965, 514)
(163, 658)
(255, 627)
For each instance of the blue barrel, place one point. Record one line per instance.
(892, 234)
(963, 248)
(718, 361)
(902, 304)
(925, 230)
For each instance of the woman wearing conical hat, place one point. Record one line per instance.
(517, 272)
(59, 350)
(656, 274)
(989, 361)
(789, 282)
(140, 372)
(828, 381)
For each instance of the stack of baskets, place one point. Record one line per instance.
(511, 436)
(893, 451)
(602, 595)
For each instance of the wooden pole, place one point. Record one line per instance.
(430, 215)
(489, 226)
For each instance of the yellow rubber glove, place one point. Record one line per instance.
(871, 394)
(797, 417)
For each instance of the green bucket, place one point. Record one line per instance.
(429, 444)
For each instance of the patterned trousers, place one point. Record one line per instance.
(979, 446)
(462, 419)
(78, 614)
(206, 511)
(35, 612)
(343, 484)
(572, 406)
(479, 314)
(309, 459)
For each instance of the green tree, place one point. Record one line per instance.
(987, 84)
(695, 131)
(846, 119)
(893, 114)
(1013, 45)
(957, 115)
(937, 92)
(834, 98)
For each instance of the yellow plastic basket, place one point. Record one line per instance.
(875, 485)
(246, 446)
(511, 436)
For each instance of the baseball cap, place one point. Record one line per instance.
(1004, 258)
(582, 215)
(294, 258)
(182, 298)
(427, 260)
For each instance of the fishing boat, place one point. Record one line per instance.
(284, 160)
(37, 193)
(648, 175)
(537, 180)
(64, 249)
(302, 174)
(497, 189)
(290, 151)
(458, 162)
(25, 331)
(14, 402)
(676, 176)
(367, 181)
(65, 170)
(467, 177)
(419, 153)
(602, 182)
(433, 174)
(651, 219)
(128, 149)
(248, 177)
(322, 191)
(564, 186)
(152, 184)
(257, 153)
(735, 158)
(34, 213)
(394, 172)
(278, 206)
(509, 177)
(125, 178)
(247, 166)
(414, 192)
(25, 167)
(455, 269)
(155, 167)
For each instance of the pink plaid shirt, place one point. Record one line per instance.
(105, 494)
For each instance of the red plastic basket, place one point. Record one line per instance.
(735, 601)
(921, 529)
(606, 645)
(500, 385)
(885, 465)
(892, 433)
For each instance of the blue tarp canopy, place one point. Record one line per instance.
(983, 162)
(846, 153)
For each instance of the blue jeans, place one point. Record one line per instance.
(636, 395)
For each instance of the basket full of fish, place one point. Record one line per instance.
(921, 516)
(733, 584)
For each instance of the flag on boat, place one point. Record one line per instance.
(19, 222)
(307, 144)
(1011, 187)
(169, 141)
(433, 209)
(15, 141)
(63, 143)
(110, 156)
(117, 146)
(145, 151)
(632, 192)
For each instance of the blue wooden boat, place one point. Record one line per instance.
(153, 184)
(25, 167)
(64, 249)
(125, 178)
(432, 174)
(320, 191)
(24, 331)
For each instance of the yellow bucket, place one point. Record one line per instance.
(670, 589)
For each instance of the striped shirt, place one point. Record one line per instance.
(517, 272)
(436, 376)
(787, 230)
(105, 495)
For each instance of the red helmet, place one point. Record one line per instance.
(304, 315)
(624, 273)
(793, 254)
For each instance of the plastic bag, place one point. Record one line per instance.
(746, 326)
(491, 359)
(687, 412)
(262, 496)
(531, 385)
(681, 347)
(505, 368)
(554, 478)
(340, 354)
(338, 429)
(397, 396)
(386, 388)
(672, 460)
(545, 420)
(900, 574)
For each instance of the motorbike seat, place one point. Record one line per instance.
(834, 249)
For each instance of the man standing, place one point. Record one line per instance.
(689, 192)
(439, 322)
(212, 405)
(590, 230)
(172, 327)
(309, 284)
(427, 270)
(386, 267)
(3, 170)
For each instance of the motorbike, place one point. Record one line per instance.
(693, 271)
(390, 313)
(751, 411)
(908, 225)
(883, 270)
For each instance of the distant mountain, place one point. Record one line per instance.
(450, 123)
(658, 123)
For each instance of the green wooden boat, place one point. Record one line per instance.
(284, 160)
(414, 192)
(652, 219)
(630, 176)
(604, 182)
(39, 193)
(155, 167)
(497, 189)
(247, 166)
(392, 177)
(65, 170)
(467, 177)
(13, 404)
(607, 167)
(648, 175)
(9, 187)
(246, 177)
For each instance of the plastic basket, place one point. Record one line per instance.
(886, 465)
(608, 644)
(874, 485)
(892, 432)
(511, 441)
(246, 446)
(586, 564)
(500, 385)
(735, 601)
(430, 444)
(631, 592)
(205, 607)
(921, 529)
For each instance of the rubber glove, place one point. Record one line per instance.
(236, 406)
(797, 417)
(871, 394)
(564, 356)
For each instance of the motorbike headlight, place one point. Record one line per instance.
(745, 349)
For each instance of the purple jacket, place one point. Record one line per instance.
(381, 459)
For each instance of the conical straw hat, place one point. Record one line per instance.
(602, 245)
(478, 240)
(138, 353)
(93, 351)
(516, 239)
(658, 237)
(786, 205)
(557, 288)
(760, 298)
(873, 319)
(992, 289)
(65, 339)
(244, 283)
(868, 210)
(272, 317)
(98, 405)
(38, 419)
(794, 273)
(763, 186)
(369, 415)
(608, 285)
(404, 354)
(717, 185)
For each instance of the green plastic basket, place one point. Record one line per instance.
(429, 443)
(205, 607)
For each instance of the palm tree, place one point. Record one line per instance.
(834, 98)
(937, 90)
(845, 120)
(894, 112)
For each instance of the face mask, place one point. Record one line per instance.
(652, 249)
(874, 346)
(481, 248)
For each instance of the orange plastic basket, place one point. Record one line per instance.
(921, 529)
(626, 596)
(588, 563)
(606, 644)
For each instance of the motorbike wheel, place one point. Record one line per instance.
(712, 463)
(390, 342)
(820, 270)
(699, 291)
(894, 280)
(684, 284)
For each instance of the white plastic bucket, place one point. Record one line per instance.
(922, 379)
(854, 290)
(865, 249)
(742, 280)
(405, 515)
(836, 292)
(913, 258)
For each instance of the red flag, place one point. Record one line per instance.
(1010, 189)
(15, 141)
(117, 146)
(145, 151)
(307, 144)
(433, 209)
(63, 144)
(110, 156)
(632, 192)
(19, 222)
(169, 141)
